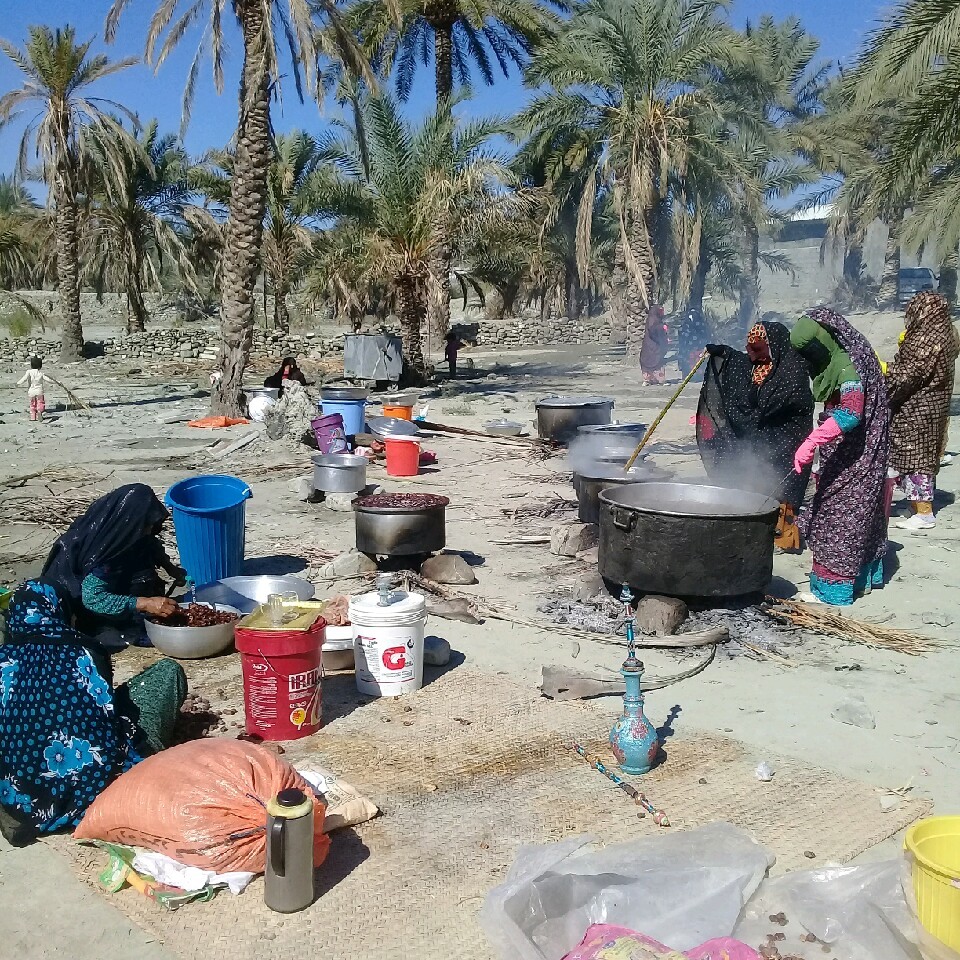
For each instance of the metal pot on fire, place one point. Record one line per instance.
(687, 540)
(400, 524)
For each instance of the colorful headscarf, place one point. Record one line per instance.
(829, 364)
(758, 350)
(928, 314)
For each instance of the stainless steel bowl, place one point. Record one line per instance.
(503, 428)
(192, 643)
(245, 593)
(271, 393)
(344, 393)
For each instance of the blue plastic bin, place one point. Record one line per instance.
(210, 523)
(352, 412)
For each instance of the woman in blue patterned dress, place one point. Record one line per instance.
(65, 731)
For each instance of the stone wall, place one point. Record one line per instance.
(528, 330)
(163, 344)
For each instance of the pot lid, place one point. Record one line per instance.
(690, 500)
(574, 402)
(401, 605)
(392, 427)
(605, 470)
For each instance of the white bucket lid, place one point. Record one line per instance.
(403, 608)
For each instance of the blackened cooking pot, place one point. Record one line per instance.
(401, 524)
(559, 418)
(687, 540)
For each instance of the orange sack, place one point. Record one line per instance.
(202, 803)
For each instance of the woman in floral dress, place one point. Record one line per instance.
(65, 731)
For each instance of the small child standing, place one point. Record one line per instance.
(35, 378)
(450, 353)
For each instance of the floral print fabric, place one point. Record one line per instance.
(63, 736)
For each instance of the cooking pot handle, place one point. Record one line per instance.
(623, 520)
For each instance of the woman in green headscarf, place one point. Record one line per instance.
(846, 522)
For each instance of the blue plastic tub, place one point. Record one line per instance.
(209, 517)
(352, 412)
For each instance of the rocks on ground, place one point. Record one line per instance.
(660, 615)
(448, 568)
(436, 652)
(569, 539)
(349, 564)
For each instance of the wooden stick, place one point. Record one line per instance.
(663, 412)
(72, 396)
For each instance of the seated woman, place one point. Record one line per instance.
(288, 371)
(65, 731)
(755, 410)
(846, 522)
(105, 566)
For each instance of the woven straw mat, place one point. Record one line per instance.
(467, 770)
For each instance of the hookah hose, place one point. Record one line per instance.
(638, 797)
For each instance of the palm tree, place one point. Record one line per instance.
(58, 72)
(135, 226)
(18, 233)
(462, 37)
(633, 75)
(388, 206)
(267, 27)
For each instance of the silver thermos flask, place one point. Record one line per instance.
(289, 876)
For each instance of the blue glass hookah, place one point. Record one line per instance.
(633, 738)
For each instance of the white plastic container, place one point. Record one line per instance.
(388, 643)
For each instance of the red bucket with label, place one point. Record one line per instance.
(281, 679)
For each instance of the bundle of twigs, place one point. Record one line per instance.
(311, 554)
(828, 621)
(56, 512)
(540, 511)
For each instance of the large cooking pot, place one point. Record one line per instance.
(401, 524)
(339, 472)
(687, 540)
(598, 442)
(600, 476)
(558, 418)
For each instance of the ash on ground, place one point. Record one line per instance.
(600, 614)
(744, 621)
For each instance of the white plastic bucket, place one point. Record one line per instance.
(388, 643)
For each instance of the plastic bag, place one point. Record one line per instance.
(680, 889)
(606, 942)
(201, 803)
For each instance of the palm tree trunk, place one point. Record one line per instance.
(618, 297)
(572, 294)
(136, 306)
(890, 279)
(411, 311)
(281, 316)
(698, 282)
(441, 256)
(501, 301)
(68, 263)
(750, 277)
(244, 229)
(640, 287)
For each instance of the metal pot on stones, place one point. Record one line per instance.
(339, 472)
(559, 418)
(687, 540)
(603, 475)
(401, 524)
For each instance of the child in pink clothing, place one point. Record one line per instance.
(35, 378)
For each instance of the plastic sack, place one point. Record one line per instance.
(679, 888)
(201, 803)
(606, 942)
(216, 423)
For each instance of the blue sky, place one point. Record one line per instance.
(841, 26)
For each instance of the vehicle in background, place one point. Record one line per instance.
(914, 279)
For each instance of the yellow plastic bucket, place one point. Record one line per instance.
(935, 846)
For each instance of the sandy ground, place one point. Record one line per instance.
(132, 435)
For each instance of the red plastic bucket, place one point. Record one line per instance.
(281, 681)
(403, 458)
(328, 430)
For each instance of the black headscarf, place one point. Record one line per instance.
(111, 525)
(293, 372)
(726, 419)
(691, 339)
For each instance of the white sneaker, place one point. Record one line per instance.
(918, 522)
